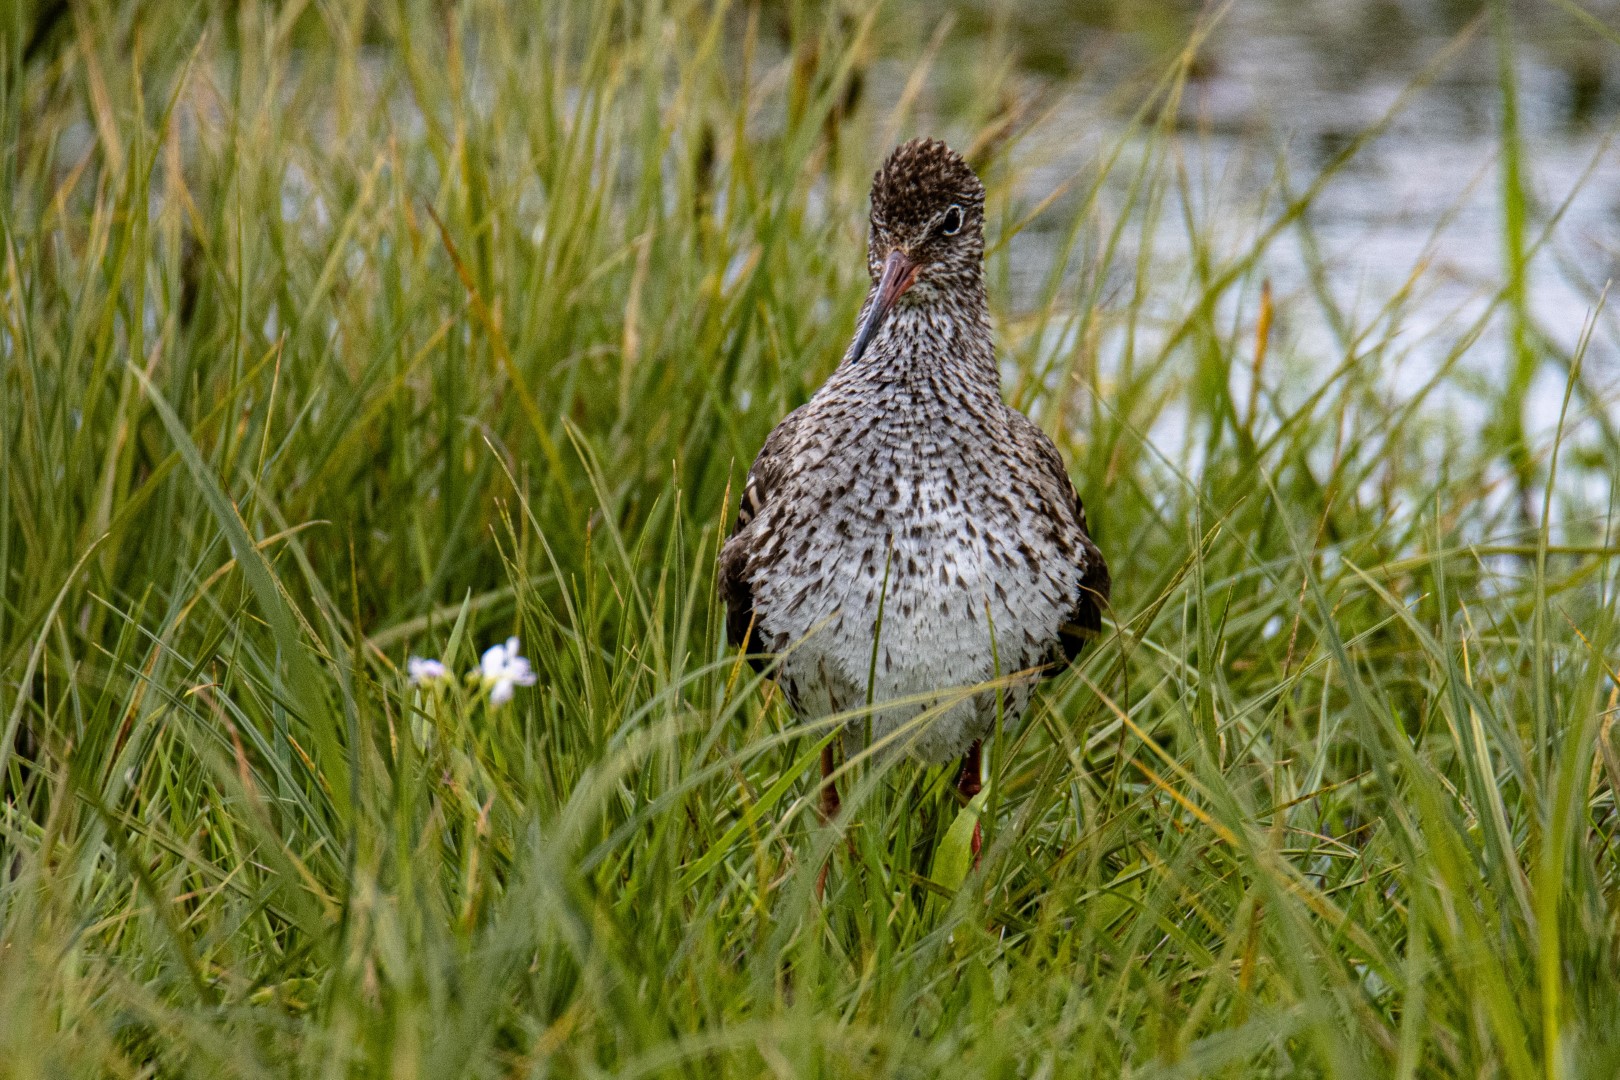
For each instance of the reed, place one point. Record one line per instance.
(335, 334)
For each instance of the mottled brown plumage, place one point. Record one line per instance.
(906, 493)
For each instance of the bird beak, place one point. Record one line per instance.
(899, 273)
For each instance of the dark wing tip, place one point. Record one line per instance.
(742, 621)
(1084, 621)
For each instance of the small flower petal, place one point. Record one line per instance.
(501, 669)
(493, 662)
(423, 670)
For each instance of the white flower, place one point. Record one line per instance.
(425, 671)
(501, 669)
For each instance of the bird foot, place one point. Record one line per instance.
(968, 786)
(827, 809)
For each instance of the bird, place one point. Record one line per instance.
(905, 533)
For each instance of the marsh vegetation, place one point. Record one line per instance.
(336, 334)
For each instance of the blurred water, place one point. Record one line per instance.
(1427, 194)
(1279, 90)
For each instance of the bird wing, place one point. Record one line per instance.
(736, 582)
(1084, 620)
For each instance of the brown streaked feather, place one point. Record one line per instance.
(742, 623)
(1084, 621)
(736, 555)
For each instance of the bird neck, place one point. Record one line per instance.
(934, 335)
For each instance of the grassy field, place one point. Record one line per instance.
(335, 335)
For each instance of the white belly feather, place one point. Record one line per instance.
(955, 614)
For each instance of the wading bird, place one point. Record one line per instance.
(905, 532)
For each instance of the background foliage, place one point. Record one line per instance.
(337, 332)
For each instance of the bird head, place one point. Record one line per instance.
(927, 230)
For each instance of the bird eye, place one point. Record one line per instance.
(951, 223)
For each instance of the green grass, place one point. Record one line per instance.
(334, 335)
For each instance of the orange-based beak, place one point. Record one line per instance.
(899, 273)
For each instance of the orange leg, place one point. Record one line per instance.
(828, 807)
(830, 803)
(968, 785)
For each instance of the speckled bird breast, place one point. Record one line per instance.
(900, 507)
